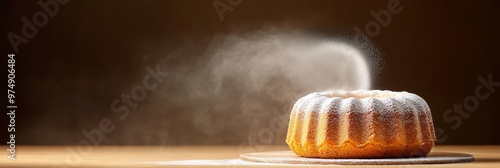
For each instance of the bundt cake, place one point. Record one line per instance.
(361, 124)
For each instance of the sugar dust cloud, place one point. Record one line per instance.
(308, 64)
(237, 83)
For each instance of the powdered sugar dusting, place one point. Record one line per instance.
(362, 99)
(288, 158)
(213, 162)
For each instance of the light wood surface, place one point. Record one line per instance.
(193, 156)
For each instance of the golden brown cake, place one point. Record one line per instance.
(361, 124)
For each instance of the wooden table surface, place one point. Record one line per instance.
(192, 156)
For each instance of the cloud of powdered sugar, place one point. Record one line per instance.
(239, 82)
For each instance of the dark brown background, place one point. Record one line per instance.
(93, 51)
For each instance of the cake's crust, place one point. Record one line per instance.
(350, 151)
(352, 125)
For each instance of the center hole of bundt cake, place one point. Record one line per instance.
(360, 94)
